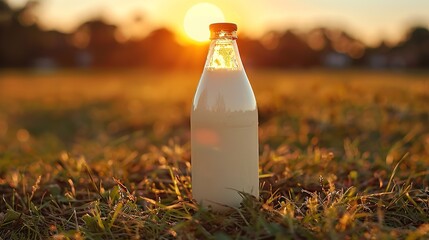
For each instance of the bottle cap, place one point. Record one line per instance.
(229, 27)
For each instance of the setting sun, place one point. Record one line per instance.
(198, 18)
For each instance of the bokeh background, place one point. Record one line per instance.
(53, 34)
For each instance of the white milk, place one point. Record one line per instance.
(224, 138)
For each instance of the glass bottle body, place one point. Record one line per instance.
(224, 130)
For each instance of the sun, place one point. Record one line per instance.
(198, 18)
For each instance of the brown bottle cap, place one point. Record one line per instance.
(229, 27)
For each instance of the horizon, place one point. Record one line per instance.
(136, 19)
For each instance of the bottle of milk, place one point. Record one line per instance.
(224, 126)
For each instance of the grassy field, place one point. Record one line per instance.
(106, 155)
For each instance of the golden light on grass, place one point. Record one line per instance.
(198, 18)
(351, 127)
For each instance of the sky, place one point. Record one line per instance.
(368, 20)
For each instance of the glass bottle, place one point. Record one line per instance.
(224, 126)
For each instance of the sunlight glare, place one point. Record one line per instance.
(198, 18)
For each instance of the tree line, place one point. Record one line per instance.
(96, 44)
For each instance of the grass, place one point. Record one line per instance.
(106, 155)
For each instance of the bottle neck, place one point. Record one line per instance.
(223, 35)
(223, 53)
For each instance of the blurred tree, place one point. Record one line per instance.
(14, 45)
(378, 57)
(293, 51)
(413, 52)
(253, 53)
(97, 39)
(417, 47)
(162, 49)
